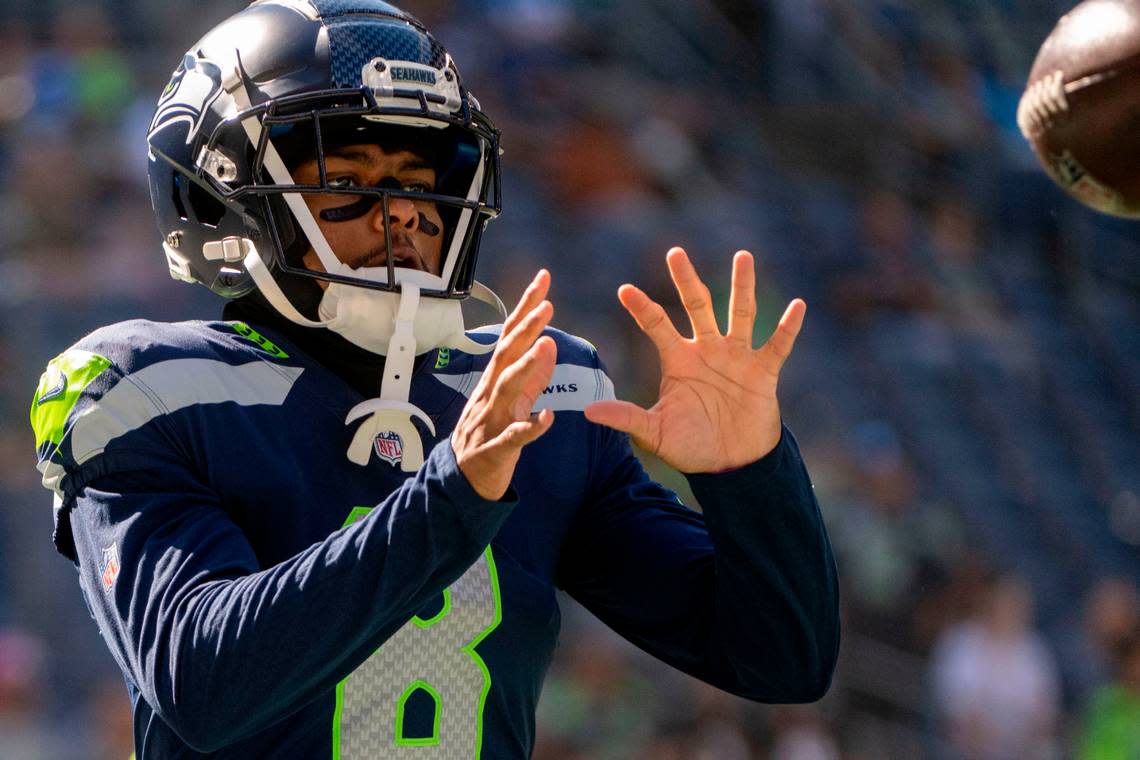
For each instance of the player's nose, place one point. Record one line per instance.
(401, 213)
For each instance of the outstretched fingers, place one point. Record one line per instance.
(742, 302)
(522, 383)
(497, 421)
(519, 388)
(522, 326)
(779, 346)
(695, 296)
(516, 341)
(531, 298)
(649, 315)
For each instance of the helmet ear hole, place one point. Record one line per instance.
(208, 209)
(176, 196)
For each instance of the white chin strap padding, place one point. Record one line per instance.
(392, 412)
(400, 359)
(481, 292)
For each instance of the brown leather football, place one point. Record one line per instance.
(1081, 107)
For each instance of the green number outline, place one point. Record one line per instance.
(398, 731)
(358, 513)
(493, 574)
(437, 616)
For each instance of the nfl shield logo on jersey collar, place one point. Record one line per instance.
(389, 447)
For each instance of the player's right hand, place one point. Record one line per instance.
(497, 420)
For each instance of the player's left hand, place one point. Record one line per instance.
(717, 408)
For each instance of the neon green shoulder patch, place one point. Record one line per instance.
(61, 384)
(357, 514)
(265, 344)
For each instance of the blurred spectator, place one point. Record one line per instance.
(1111, 729)
(1091, 644)
(801, 734)
(965, 290)
(883, 274)
(25, 732)
(946, 119)
(886, 538)
(595, 703)
(994, 681)
(718, 731)
(946, 601)
(100, 76)
(82, 81)
(109, 721)
(969, 300)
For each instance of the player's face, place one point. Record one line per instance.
(358, 239)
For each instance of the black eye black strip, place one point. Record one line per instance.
(363, 206)
(351, 211)
(427, 226)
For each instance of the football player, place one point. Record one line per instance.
(332, 524)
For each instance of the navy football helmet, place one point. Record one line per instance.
(284, 79)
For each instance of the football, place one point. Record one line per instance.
(1081, 106)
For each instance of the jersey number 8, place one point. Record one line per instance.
(433, 659)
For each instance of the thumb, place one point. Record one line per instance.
(626, 417)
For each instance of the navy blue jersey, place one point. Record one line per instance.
(265, 597)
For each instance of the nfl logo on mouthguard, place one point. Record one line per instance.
(390, 447)
(109, 567)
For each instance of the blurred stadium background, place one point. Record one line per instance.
(967, 388)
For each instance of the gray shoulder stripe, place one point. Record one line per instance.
(172, 385)
(571, 387)
(146, 391)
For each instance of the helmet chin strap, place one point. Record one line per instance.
(391, 412)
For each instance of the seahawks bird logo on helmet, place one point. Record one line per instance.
(187, 99)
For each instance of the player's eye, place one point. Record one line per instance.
(394, 183)
(341, 183)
